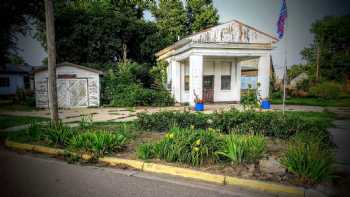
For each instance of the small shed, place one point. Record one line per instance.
(77, 86)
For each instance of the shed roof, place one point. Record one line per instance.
(16, 68)
(44, 67)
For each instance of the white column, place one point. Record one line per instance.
(176, 80)
(236, 78)
(196, 77)
(264, 75)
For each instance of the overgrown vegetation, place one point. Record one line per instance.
(266, 123)
(98, 143)
(309, 158)
(238, 148)
(11, 121)
(326, 90)
(190, 146)
(92, 139)
(122, 88)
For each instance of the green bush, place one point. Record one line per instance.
(277, 95)
(123, 89)
(145, 151)
(194, 147)
(33, 133)
(267, 123)
(239, 148)
(326, 90)
(98, 143)
(250, 100)
(309, 158)
(163, 121)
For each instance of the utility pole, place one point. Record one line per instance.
(318, 63)
(51, 50)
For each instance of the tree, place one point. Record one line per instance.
(201, 14)
(51, 50)
(332, 41)
(14, 18)
(102, 32)
(170, 19)
(175, 20)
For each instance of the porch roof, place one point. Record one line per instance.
(230, 35)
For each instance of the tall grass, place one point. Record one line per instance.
(190, 146)
(309, 158)
(98, 143)
(239, 148)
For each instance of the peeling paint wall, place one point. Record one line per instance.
(233, 32)
(90, 81)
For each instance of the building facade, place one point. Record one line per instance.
(217, 64)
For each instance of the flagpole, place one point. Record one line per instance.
(285, 66)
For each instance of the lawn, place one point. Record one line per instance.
(8, 105)
(10, 121)
(341, 102)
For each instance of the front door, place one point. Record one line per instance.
(208, 88)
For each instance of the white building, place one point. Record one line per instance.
(217, 63)
(77, 86)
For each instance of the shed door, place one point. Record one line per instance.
(72, 93)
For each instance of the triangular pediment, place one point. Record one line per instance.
(232, 32)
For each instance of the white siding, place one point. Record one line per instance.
(93, 84)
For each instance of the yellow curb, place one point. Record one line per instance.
(86, 156)
(115, 161)
(157, 168)
(21, 146)
(265, 186)
(47, 150)
(164, 169)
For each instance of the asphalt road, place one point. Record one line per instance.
(33, 175)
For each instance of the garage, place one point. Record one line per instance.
(77, 86)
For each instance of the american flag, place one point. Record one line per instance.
(282, 19)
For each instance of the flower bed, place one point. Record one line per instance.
(293, 149)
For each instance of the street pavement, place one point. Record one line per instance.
(36, 175)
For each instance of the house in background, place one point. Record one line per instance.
(14, 77)
(218, 63)
(77, 86)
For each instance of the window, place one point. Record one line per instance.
(187, 83)
(4, 82)
(226, 82)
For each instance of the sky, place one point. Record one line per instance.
(261, 14)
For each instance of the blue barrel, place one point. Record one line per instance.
(265, 104)
(199, 107)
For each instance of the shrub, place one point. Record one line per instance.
(122, 88)
(267, 123)
(194, 147)
(326, 90)
(99, 143)
(145, 151)
(309, 158)
(277, 95)
(242, 148)
(163, 121)
(250, 101)
(59, 134)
